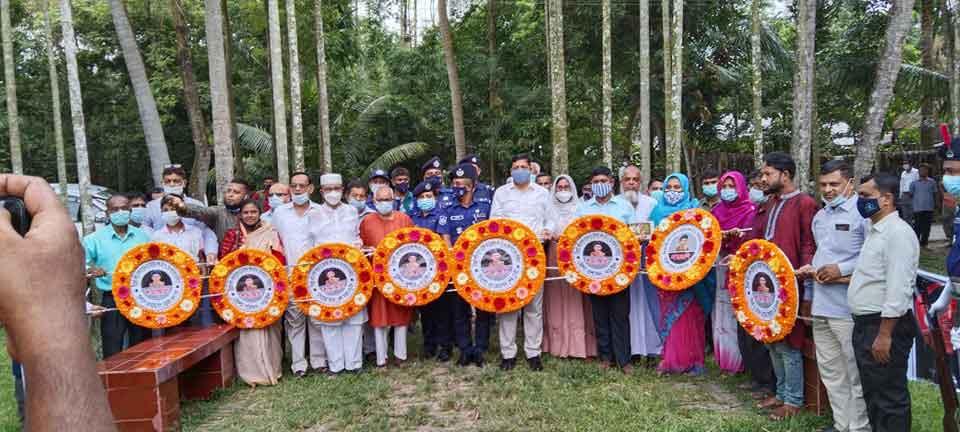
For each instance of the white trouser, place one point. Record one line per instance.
(399, 343)
(296, 322)
(532, 329)
(344, 344)
(838, 370)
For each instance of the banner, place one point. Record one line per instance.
(682, 249)
(412, 266)
(598, 255)
(157, 285)
(763, 290)
(332, 282)
(252, 288)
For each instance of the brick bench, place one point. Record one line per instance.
(146, 382)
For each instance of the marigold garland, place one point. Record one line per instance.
(703, 221)
(781, 326)
(142, 316)
(352, 304)
(624, 275)
(534, 266)
(233, 315)
(392, 290)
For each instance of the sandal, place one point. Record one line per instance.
(770, 402)
(784, 412)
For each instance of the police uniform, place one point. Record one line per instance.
(483, 192)
(952, 153)
(431, 315)
(453, 222)
(444, 194)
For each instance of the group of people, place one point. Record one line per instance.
(855, 259)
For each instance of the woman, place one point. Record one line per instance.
(567, 317)
(735, 212)
(258, 352)
(681, 314)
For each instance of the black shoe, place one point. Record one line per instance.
(300, 374)
(478, 359)
(429, 353)
(535, 363)
(444, 356)
(507, 364)
(464, 360)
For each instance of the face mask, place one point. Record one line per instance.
(426, 204)
(357, 204)
(137, 214)
(384, 207)
(906, 167)
(564, 196)
(301, 199)
(170, 218)
(839, 199)
(402, 187)
(174, 190)
(333, 198)
(757, 196)
(729, 195)
(657, 194)
(233, 209)
(868, 207)
(710, 191)
(601, 190)
(275, 201)
(952, 184)
(672, 197)
(459, 192)
(520, 176)
(436, 181)
(632, 196)
(120, 218)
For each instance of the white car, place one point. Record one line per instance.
(99, 196)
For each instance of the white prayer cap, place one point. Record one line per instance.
(331, 179)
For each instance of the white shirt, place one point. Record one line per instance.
(152, 220)
(335, 225)
(907, 178)
(644, 207)
(190, 239)
(294, 230)
(839, 233)
(531, 206)
(883, 281)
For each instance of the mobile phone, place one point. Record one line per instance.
(20, 219)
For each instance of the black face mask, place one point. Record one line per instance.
(232, 208)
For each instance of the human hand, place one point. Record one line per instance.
(95, 272)
(829, 273)
(881, 348)
(805, 271)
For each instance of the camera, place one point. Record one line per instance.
(19, 217)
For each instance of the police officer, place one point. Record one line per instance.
(950, 153)
(432, 173)
(454, 220)
(437, 317)
(484, 192)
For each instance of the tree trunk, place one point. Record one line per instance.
(756, 86)
(803, 87)
(10, 79)
(955, 71)
(76, 115)
(238, 169)
(55, 99)
(146, 105)
(296, 116)
(191, 99)
(456, 97)
(928, 129)
(219, 96)
(493, 84)
(404, 29)
(558, 88)
(670, 152)
(326, 160)
(901, 17)
(676, 90)
(644, 132)
(607, 89)
(416, 25)
(276, 80)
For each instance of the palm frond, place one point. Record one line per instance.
(398, 154)
(917, 81)
(254, 139)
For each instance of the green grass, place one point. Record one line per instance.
(934, 260)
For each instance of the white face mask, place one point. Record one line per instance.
(175, 190)
(333, 198)
(170, 218)
(564, 196)
(301, 199)
(384, 207)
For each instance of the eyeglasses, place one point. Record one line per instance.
(169, 166)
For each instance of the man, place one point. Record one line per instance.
(220, 218)
(292, 222)
(174, 182)
(788, 224)
(278, 195)
(545, 181)
(611, 314)
(585, 192)
(103, 249)
(357, 197)
(523, 201)
(881, 299)
(432, 173)
(400, 178)
(156, 193)
(138, 210)
(758, 193)
(907, 177)
(437, 317)
(644, 337)
(948, 212)
(950, 154)
(923, 194)
(187, 237)
(655, 189)
(453, 221)
(484, 192)
(336, 222)
(378, 179)
(710, 179)
(263, 196)
(839, 231)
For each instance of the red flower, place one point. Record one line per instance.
(123, 292)
(465, 245)
(428, 238)
(414, 236)
(378, 268)
(300, 291)
(676, 217)
(499, 303)
(753, 249)
(460, 256)
(482, 230)
(630, 257)
(582, 225)
(243, 258)
(707, 246)
(534, 263)
(494, 227)
(364, 277)
(531, 252)
(698, 217)
(258, 260)
(628, 269)
(596, 223)
(507, 229)
(153, 250)
(564, 255)
(400, 236)
(326, 252)
(442, 266)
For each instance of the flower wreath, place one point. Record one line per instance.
(234, 315)
(142, 316)
(594, 223)
(392, 290)
(534, 265)
(354, 303)
(703, 221)
(779, 327)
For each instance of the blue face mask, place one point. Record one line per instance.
(839, 199)
(868, 207)
(757, 196)
(384, 207)
(952, 184)
(120, 218)
(436, 181)
(426, 204)
(672, 197)
(137, 214)
(521, 176)
(729, 195)
(710, 190)
(601, 190)
(459, 192)
(275, 201)
(402, 187)
(657, 194)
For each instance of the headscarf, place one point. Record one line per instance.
(740, 212)
(564, 212)
(664, 209)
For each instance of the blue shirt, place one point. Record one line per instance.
(104, 248)
(445, 198)
(617, 208)
(953, 258)
(455, 219)
(427, 221)
(839, 233)
(483, 193)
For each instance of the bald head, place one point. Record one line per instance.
(281, 191)
(383, 194)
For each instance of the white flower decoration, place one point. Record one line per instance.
(186, 305)
(741, 317)
(664, 224)
(136, 312)
(571, 277)
(706, 223)
(274, 311)
(622, 279)
(532, 273)
(775, 327)
(434, 287)
(360, 299)
(314, 310)
(388, 288)
(227, 315)
(462, 278)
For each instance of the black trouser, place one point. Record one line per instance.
(611, 321)
(885, 385)
(924, 219)
(114, 326)
(437, 321)
(19, 391)
(756, 360)
(480, 340)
